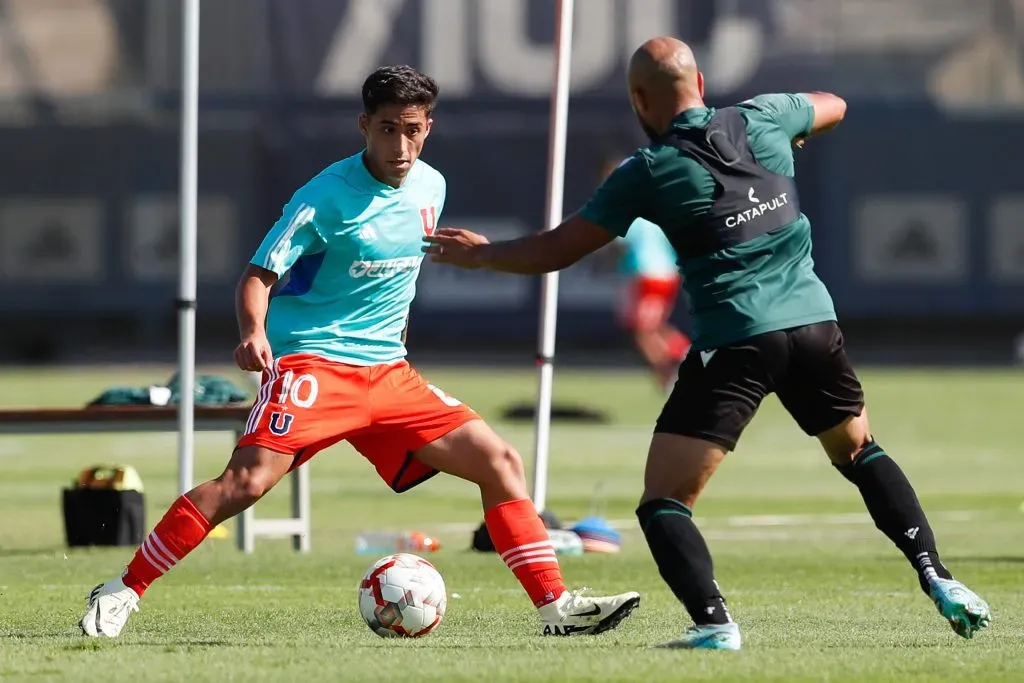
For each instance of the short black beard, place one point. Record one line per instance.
(651, 134)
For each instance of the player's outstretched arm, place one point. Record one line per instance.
(801, 115)
(542, 252)
(829, 111)
(252, 298)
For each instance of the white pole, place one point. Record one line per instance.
(187, 242)
(549, 283)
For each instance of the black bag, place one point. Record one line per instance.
(103, 517)
(100, 511)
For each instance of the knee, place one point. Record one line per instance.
(686, 496)
(844, 442)
(496, 467)
(503, 464)
(844, 455)
(846, 451)
(680, 482)
(242, 487)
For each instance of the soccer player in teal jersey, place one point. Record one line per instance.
(330, 344)
(648, 262)
(720, 184)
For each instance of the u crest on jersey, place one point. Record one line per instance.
(429, 218)
(281, 423)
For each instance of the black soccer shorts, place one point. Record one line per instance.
(718, 392)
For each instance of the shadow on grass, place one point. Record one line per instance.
(955, 559)
(29, 552)
(390, 645)
(994, 559)
(871, 646)
(177, 645)
(76, 642)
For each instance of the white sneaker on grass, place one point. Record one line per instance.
(573, 614)
(107, 609)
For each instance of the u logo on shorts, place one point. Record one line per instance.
(281, 423)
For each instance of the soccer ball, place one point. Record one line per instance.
(402, 596)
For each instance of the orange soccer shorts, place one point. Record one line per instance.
(387, 412)
(649, 302)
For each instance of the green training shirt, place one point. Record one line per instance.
(761, 285)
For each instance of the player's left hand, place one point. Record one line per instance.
(456, 247)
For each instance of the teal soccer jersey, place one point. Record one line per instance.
(648, 252)
(347, 248)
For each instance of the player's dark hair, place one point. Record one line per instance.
(401, 85)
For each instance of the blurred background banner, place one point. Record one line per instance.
(917, 202)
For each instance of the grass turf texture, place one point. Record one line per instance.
(820, 595)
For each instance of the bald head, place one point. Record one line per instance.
(662, 62)
(663, 81)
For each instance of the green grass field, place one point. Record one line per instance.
(820, 595)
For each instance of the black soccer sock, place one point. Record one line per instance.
(683, 559)
(894, 507)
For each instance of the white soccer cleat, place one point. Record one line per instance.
(573, 614)
(107, 609)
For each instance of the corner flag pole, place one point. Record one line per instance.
(549, 282)
(187, 242)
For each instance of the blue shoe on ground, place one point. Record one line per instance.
(960, 606)
(708, 637)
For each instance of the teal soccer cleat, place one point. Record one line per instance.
(708, 637)
(966, 612)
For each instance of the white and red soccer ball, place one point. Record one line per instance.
(402, 595)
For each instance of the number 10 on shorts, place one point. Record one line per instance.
(294, 390)
(299, 391)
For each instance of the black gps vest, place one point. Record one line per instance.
(749, 200)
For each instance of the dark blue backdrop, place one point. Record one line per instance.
(915, 212)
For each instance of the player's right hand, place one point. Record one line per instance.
(253, 353)
(455, 246)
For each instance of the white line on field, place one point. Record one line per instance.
(756, 521)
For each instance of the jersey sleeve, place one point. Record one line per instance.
(295, 233)
(621, 198)
(793, 112)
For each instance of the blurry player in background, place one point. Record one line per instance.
(648, 262)
(330, 345)
(720, 183)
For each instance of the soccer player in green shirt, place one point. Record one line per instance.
(720, 184)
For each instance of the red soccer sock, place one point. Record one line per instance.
(522, 541)
(182, 528)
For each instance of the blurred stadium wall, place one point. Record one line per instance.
(917, 203)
